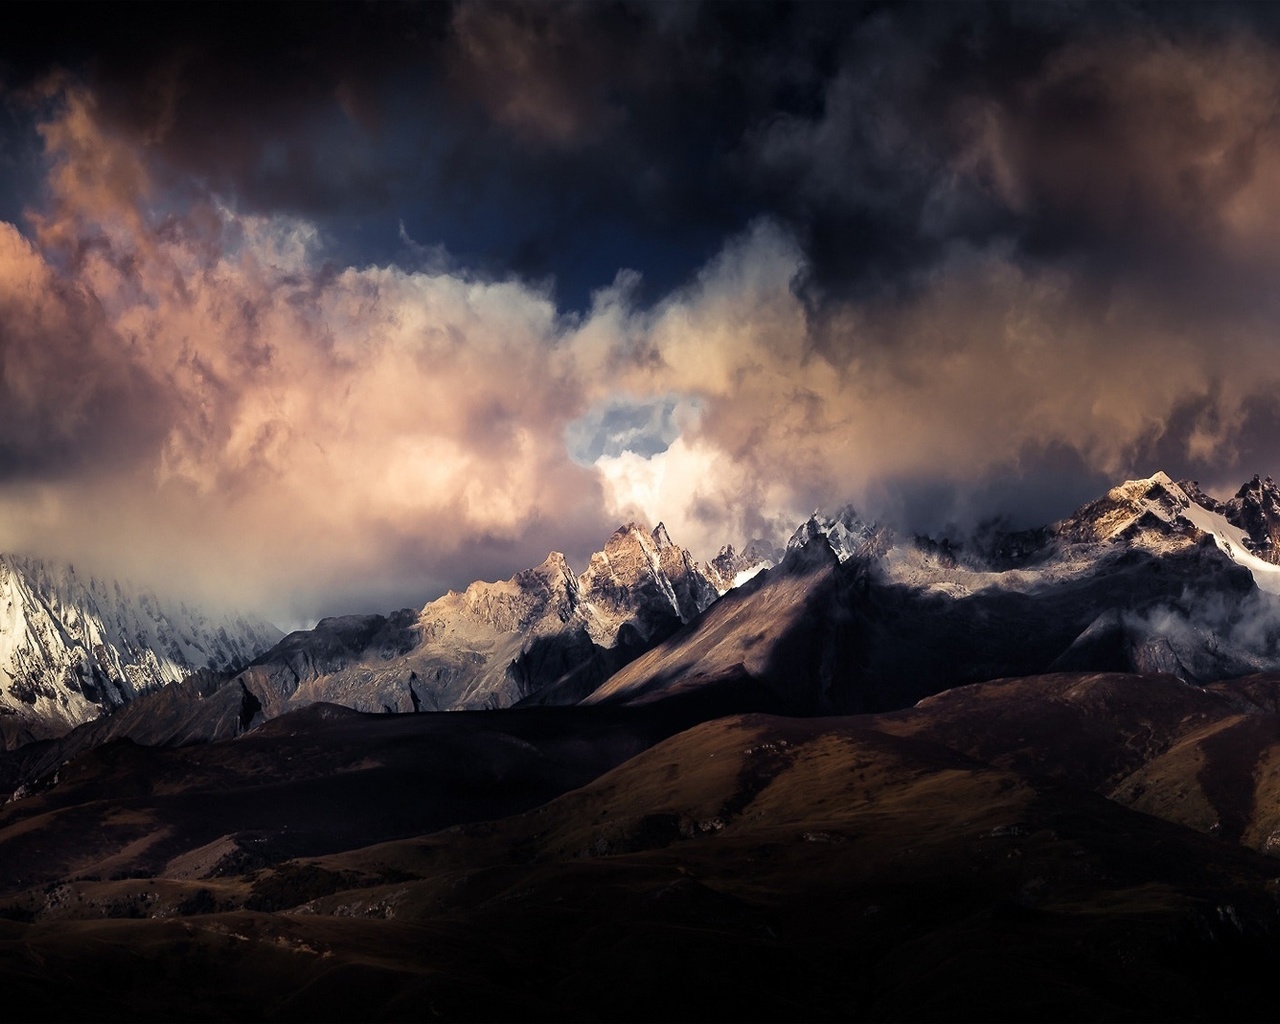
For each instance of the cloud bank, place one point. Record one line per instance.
(955, 284)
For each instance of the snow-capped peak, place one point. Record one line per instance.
(73, 646)
(845, 532)
(1156, 511)
(1152, 502)
(730, 568)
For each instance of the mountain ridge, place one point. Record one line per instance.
(1152, 564)
(1141, 579)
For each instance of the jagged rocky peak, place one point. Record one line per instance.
(661, 538)
(644, 578)
(1256, 510)
(529, 600)
(694, 592)
(551, 587)
(732, 568)
(845, 532)
(1163, 517)
(1158, 510)
(1150, 505)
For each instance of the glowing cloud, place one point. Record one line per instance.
(210, 396)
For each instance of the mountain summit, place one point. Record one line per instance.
(1160, 515)
(845, 533)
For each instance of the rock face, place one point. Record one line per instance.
(74, 646)
(1124, 512)
(641, 578)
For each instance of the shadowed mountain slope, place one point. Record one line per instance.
(318, 779)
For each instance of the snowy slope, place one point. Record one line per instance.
(1141, 508)
(1232, 542)
(74, 646)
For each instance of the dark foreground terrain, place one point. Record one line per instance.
(1062, 847)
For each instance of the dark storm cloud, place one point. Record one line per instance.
(567, 140)
(541, 139)
(273, 104)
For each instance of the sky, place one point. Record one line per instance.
(325, 308)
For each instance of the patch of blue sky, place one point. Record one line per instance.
(644, 427)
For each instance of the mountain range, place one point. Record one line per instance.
(1154, 576)
(1017, 774)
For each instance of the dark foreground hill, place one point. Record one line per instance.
(1063, 847)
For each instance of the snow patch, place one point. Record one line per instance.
(747, 574)
(1231, 542)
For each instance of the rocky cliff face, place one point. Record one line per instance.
(644, 579)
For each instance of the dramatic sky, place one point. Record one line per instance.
(326, 308)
